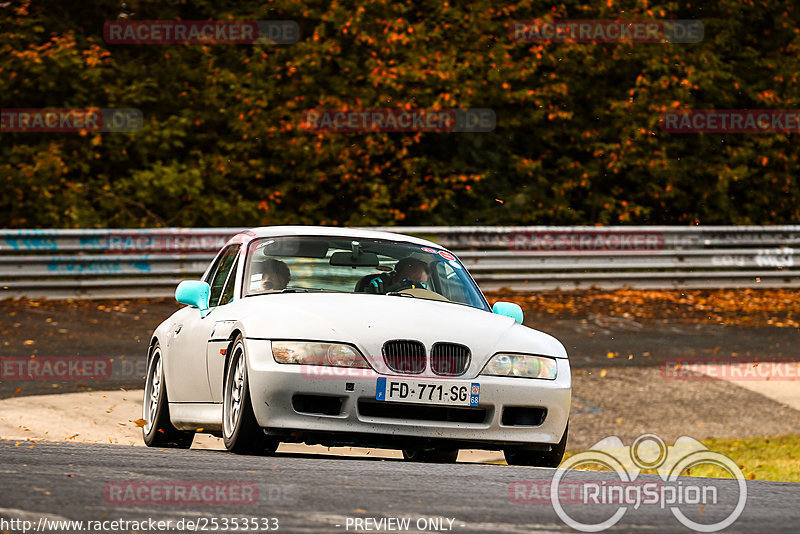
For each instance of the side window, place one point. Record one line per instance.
(451, 286)
(227, 293)
(219, 275)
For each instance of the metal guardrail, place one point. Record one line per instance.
(149, 263)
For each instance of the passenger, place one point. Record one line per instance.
(275, 275)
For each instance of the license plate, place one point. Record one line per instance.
(428, 392)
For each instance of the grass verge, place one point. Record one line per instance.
(775, 458)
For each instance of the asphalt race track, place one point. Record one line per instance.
(326, 493)
(319, 494)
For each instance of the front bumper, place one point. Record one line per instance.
(274, 387)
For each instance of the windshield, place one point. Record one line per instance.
(351, 265)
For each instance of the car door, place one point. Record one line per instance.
(190, 337)
(219, 339)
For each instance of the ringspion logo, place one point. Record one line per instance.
(700, 504)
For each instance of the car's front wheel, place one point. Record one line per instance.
(528, 457)
(433, 456)
(240, 430)
(158, 430)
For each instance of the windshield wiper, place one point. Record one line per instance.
(291, 290)
(398, 294)
(302, 290)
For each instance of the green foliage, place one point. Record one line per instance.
(577, 139)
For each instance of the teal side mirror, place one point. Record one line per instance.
(509, 309)
(194, 293)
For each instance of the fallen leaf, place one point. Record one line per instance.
(139, 422)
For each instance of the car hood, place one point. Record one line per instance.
(368, 321)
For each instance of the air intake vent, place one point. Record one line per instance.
(449, 359)
(404, 356)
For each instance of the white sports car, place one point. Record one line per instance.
(338, 336)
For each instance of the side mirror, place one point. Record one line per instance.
(509, 309)
(194, 293)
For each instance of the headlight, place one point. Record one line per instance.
(522, 365)
(310, 353)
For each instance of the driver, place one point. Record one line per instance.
(408, 273)
(274, 275)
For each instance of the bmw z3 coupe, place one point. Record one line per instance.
(340, 336)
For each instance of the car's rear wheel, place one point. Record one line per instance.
(433, 456)
(158, 430)
(240, 430)
(528, 457)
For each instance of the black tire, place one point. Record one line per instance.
(158, 430)
(431, 456)
(240, 430)
(527, 457)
